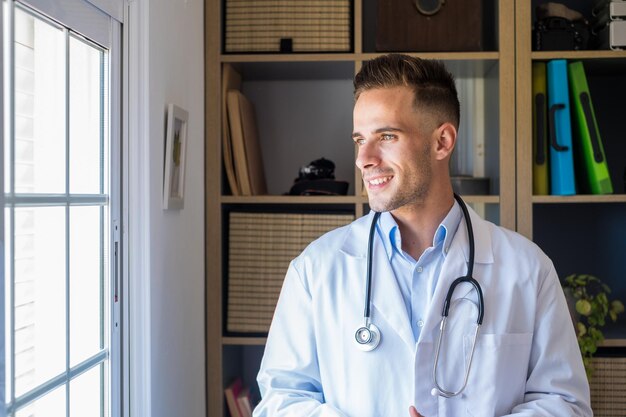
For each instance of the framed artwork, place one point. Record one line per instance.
(175, 150)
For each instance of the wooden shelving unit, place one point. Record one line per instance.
(508, 68)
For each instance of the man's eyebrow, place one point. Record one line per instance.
(380, 130)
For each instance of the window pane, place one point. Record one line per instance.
(40, 321)
(86, 394)
(86, 292)
(8, 313)
(86, 117)
(50, 405)
(7, 87)
(39, 106)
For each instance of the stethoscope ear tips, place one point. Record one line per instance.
(367, 338)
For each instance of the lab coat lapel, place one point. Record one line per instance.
(455, 266)
(386, 296)
(387, 299)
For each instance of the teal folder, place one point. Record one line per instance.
(594, 172)
(562, 181)
(540, 130)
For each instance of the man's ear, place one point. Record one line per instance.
(445, 140)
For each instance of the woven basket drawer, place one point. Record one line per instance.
(300, 26)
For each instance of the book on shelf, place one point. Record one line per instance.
(248, 160)
(231, 393)
(245, 402)
(231, 80)
(540, 130)
(562, 179)
(590, 156)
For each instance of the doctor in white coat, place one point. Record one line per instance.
(526, 360)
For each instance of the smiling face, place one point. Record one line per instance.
(398, 152)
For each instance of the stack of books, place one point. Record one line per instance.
(568, 155)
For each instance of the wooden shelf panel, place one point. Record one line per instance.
(287, 57)
(577, 54)
(332, 57)
(289, 199)
(582, 198)
(613, 343)
(244, 341)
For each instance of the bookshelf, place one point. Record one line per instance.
(273, 82)
(581, 233)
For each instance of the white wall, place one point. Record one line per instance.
(177, 348)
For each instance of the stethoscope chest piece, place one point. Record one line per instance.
(367, 337)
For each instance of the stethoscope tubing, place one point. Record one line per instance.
(368, 281)
(369, 336)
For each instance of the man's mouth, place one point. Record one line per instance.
(379, 180)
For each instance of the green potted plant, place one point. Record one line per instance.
(588, 296)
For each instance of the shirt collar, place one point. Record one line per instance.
(392, 241)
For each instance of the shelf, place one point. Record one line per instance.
(333, 57)
(583, 198)
(323, 200)
(578, 54)
(244, 341)
(328, 57)
(290, 199)
(613, 343)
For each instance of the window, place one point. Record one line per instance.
(60, 139)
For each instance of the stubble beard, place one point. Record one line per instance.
(414, 190)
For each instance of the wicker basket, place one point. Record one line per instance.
(608, 387)
(287, 26)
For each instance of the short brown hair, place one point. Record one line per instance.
(432, 83)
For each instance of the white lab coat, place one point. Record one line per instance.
(526, 362)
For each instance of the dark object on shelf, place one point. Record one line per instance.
(466, 185)
(560, 34)
(431, 26)
(612, 36)
(286, 45)
(608, 24)
(287, 26)
(559, 28)
(318, 178)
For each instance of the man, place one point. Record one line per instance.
(526, 360)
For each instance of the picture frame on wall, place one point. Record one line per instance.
(175, 151)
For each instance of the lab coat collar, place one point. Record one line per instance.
(355, 243)
(386, 296)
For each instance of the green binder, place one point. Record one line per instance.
(590, 152)
(540, 130)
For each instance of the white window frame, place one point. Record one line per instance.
(105, 29)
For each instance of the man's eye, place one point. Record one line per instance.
(387, 137)
(359, 141)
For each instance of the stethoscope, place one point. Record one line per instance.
(368, 336)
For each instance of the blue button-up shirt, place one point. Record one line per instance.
(417, 279)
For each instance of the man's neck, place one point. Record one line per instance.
(418, 223)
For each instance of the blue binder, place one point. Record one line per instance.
(562, 180)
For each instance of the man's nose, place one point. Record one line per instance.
(367, 156)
